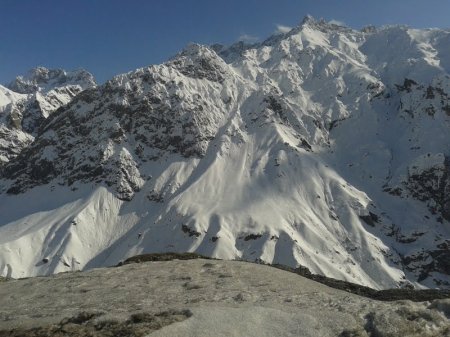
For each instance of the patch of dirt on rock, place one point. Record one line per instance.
(91, 324)
(162, 257)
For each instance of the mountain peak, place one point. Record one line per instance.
(308, 19)
(195, 50)
(321, 24)
(199, 61)
(233, 52)
(42, 79)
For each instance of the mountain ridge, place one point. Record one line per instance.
(311, 148)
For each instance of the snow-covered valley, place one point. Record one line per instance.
(325, 147)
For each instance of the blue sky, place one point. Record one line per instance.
(108, 37)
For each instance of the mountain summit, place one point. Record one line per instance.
(27, 101)
(41, 79)
(325, 147)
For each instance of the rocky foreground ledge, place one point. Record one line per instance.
(200, 297)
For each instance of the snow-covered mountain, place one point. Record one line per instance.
(12, 138)
(45, 80)
(27, 101)
(326, 147)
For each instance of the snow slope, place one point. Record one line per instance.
(325, 147)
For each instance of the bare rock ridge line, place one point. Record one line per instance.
(325, 147)
(380, 295)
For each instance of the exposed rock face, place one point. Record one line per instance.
(432, 185)
(12, 138)
(324, 146)
(427, 179)
(32, 99)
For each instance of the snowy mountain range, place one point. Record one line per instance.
(325, 147)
